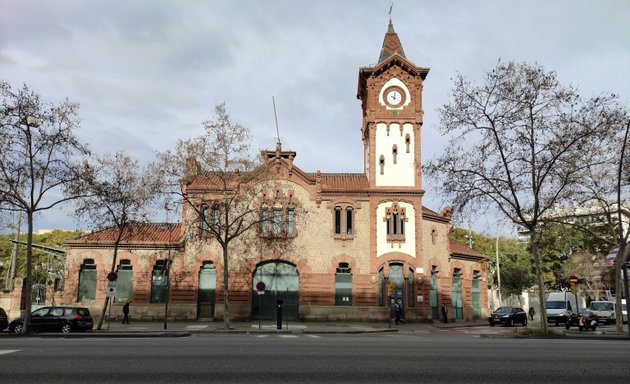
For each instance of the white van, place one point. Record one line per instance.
(605, 310)
(561, 306)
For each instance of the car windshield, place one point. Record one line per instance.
(504, 310)
(555, 305)
(602, 306)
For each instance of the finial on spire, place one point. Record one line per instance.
(391, 5)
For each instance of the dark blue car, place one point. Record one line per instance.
(508, 316)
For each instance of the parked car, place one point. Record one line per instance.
(508, 316)
(4, 320)
(56, 319)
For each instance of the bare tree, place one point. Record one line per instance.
(516, 145)
(120, 193)
(40, 158)
(220, 182)
(604, 197)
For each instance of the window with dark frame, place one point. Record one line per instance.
(343, 221)
(395, 218)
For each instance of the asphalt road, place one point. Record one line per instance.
(450, 357)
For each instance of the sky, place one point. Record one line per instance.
(148, 72)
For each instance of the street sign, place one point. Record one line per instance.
(573, 279)
(260, 286)
(111, 289)
(112, 276)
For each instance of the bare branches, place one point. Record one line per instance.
(523, 143)
(39, 155)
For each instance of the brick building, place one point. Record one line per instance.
(358, 242)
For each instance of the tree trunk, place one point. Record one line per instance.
(113, 268)
(28, 281)
(226, 306)
(539, 279)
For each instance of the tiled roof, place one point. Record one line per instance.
(158, 234)
(458, 248)
(343, 181)
(391, 44)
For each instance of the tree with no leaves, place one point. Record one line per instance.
(40, 161)
(219, 181)
(120, 193)
(516, 145)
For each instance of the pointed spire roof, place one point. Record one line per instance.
(391, 44)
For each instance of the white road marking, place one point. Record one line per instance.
(196, 327)
(5, 351)
(287, 336)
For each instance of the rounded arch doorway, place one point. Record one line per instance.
(280, 281)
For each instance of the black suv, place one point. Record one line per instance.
(55, 319)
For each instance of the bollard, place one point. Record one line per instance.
(279, 314)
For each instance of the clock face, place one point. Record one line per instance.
(394, 97)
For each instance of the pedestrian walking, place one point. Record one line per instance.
(444, 313)
(532, 312)
(125, 310)
(398, 313)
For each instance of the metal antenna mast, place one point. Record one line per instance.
(278, 143)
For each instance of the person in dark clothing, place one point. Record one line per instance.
(444, 313)
(398, 314)
(532, 312)
(125, 319)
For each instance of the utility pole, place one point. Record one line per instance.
(496, 247)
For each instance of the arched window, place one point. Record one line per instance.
(343, 221)
(203, 218)
(410, 288)
(349, 220)
(124, 283)
(159, 282)
(343, 285)
(215, 218)
(337, 220)
(456, 293)
(433, 293)
(87, 281)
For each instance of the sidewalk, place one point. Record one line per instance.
(187, 328)
(179, 328)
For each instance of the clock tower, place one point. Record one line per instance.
(391, 101)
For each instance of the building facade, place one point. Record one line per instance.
(352, 244)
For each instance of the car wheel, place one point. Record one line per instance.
(524, 321)
(492, 323)
(567, 325)
(18, 328)
(594, 327)
(66, 328)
